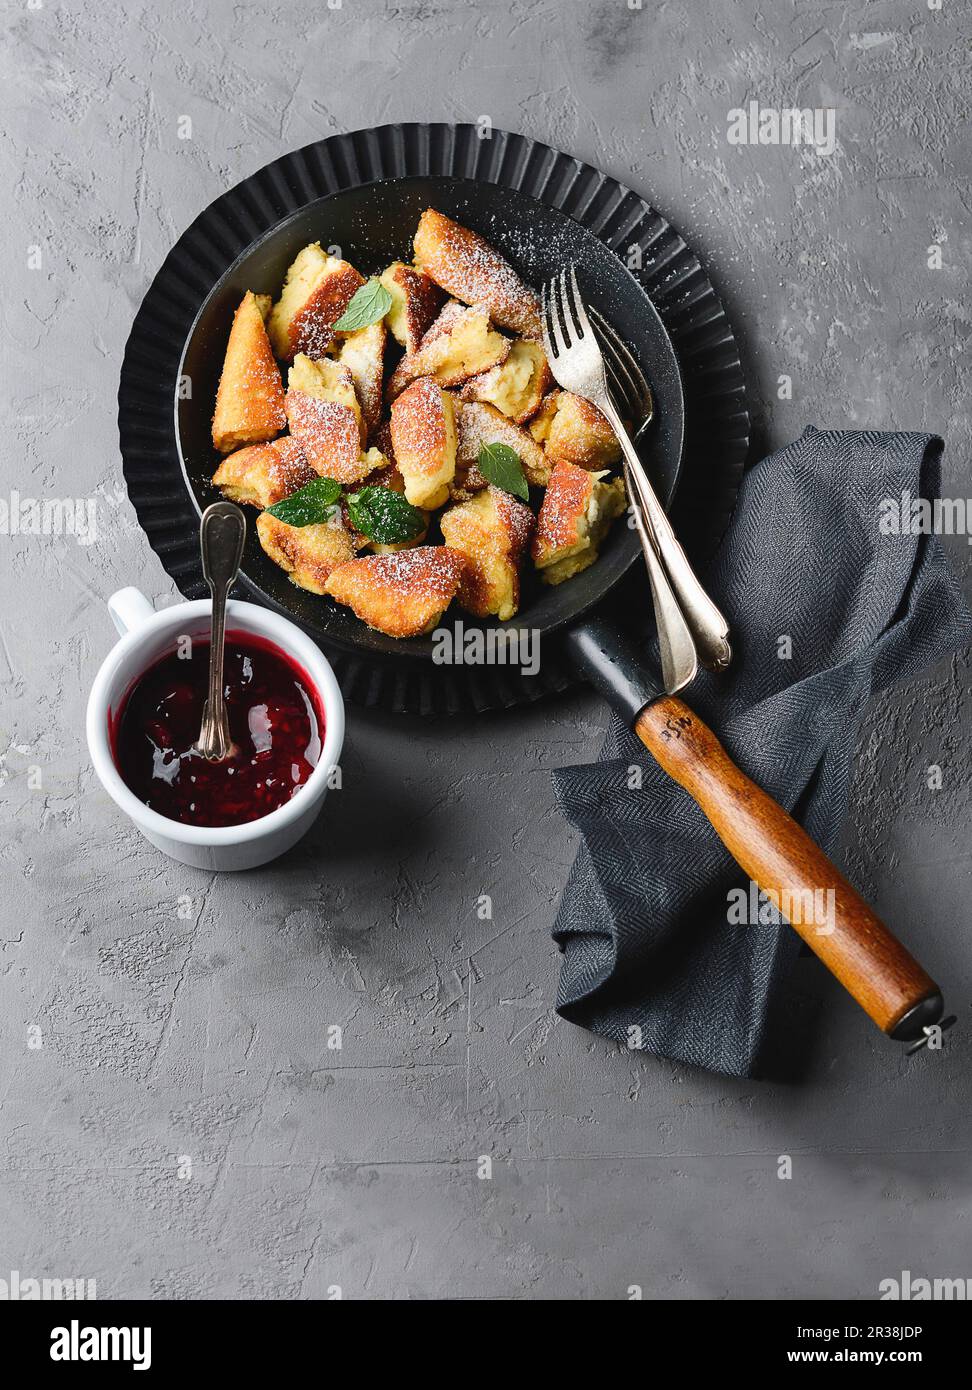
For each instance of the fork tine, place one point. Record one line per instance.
(577, 306)
(640, 402)
(620, 351)
(566, 309)
(619, 390)
(617, 343)
(554, 321)
(615, 365)
(629, 386)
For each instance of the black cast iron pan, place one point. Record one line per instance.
(589, 212)
(373, 225)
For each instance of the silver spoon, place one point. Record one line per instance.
(221, 533)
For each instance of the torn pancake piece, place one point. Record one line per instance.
(263, 474)
(249, 399)
(423, 434)
(317, 290)
(575, 516)
(578, 433)
(539, 426)
(481, 424)
(326, 380)
(416, 300)
(330, 436)
(459, 345)
(363, 354)
(402, 595)
(517, 386)
(471, 270)
(307, 553)
(492, 530)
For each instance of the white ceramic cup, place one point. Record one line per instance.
(147, 635)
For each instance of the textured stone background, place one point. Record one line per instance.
(204, 1033)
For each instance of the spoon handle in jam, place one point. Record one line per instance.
(221, 534)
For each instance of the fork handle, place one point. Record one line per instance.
(676, 645)
(709, 628)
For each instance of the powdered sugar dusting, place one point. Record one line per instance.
(418, 423)
(463, 263)
(564, 504)
(432, 571)
(329, 435)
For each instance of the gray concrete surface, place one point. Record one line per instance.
(180, 1015)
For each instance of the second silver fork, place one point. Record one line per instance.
(691, 628)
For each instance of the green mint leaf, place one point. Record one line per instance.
(385, 516)
(368, 305)
(501, 466)
(309, 505)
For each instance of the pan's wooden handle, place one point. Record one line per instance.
(780, 857)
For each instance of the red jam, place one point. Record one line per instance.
(275, 719)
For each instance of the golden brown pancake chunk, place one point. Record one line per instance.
(517, 386)
(316, 292)
(326, 380)
(329, 435)
(575, 516)
(423, 432)
(415, 302)
(363, 354)
(263, 474)
(402, 595)
(471, 270)
(459, 345)
(481, 424)
(307, 553)
(250, 399)
(580, 434)
(492, 530)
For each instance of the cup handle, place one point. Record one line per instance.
(129, 609)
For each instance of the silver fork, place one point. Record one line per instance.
(690, 625)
